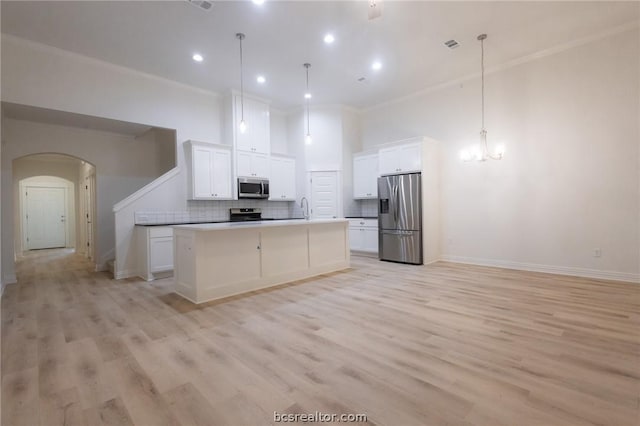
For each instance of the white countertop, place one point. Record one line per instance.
(256, 224)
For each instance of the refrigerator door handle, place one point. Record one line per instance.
(395, 204)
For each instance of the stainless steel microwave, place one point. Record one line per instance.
(253, 188)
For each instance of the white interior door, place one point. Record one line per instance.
(324, 195)
(45, 217)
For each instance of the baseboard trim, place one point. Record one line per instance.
(550, 269)
(127, 273)
(9, 279)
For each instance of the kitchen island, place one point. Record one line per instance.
(217, 260)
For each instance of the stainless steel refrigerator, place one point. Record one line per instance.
(400, 218)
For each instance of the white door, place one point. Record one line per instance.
(45, 217)
(324, 195)
(90, 188)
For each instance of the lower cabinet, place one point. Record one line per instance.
(363, 235)
(155, 245)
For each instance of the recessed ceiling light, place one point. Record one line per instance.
(307, 95)
(376, 66)
(258, 2)
(329, 38)
(197, 57)
(260, 79)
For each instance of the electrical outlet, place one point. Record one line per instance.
(597, 252)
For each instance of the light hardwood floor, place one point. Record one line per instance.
(441, 344)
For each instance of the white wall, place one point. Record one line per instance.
(38, 75)
(569, 182)
(278, 129)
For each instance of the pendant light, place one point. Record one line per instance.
(482, 153)
(242, 126)
(307, 96)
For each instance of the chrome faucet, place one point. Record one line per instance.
(305, 203)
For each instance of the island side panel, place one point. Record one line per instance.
(185, 264)
(329, 246)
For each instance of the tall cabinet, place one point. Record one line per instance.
(253, 146)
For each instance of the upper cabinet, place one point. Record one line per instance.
(257, 136)
(405, 158)
(282, 182)
(365, 176)
(210, 171)
(251, 164)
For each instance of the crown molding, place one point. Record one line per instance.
(93, 61)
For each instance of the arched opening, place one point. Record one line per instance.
(54, 204)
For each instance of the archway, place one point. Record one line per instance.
(54, 203)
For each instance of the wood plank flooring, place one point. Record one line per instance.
(405, 345)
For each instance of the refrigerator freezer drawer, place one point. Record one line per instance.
(400, 246)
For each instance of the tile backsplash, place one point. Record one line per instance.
(210, 211)
(369, 208)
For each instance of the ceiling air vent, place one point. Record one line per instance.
(202, 4)
(451, 44)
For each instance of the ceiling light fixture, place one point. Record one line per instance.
(376, 66)
(260, 79)
(242, 126)
(258, 2)
(329, 38)
(482, 153)
(197, 57)
(307, 138)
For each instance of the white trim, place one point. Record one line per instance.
(147, 188)
(509, 64)
(550, 269)
(94, 61)
(8, 279)
(127, 273)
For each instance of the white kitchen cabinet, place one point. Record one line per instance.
(251, 164)
(363, 235)
(365, 176)
(210, 177)
(282, 181)
(155, 245)
(405, 158)
(257, 136)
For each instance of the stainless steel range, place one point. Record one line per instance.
(245, 214)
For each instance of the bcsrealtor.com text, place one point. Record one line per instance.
(318, 417)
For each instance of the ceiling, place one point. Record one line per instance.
(160, 37)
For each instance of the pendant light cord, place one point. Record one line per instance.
(240, 37)
(307, 67)
(482, 73)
